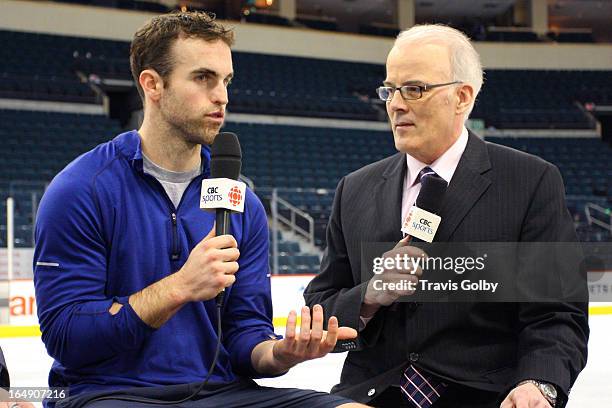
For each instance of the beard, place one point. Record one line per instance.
(194, 129)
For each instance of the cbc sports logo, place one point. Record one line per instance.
(223, 193)
(235, 196)
(421, 224)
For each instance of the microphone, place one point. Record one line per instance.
(223, 193)
(422, 221)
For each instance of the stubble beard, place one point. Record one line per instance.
(192, 131)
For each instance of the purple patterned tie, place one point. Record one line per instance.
(420, 388)
(427, 171)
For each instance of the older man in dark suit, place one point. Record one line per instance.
(447, 354)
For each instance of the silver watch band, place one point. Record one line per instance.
(546, 389)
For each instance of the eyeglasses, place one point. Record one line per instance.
(408, 92)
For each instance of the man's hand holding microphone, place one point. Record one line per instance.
(385, 288)
(421, 225)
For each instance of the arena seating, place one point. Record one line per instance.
(512, 36)
(572, 37)
(36, 145)
(44, 67)
(319, 157)
(39, 144)
(141, 5)
(266, 18)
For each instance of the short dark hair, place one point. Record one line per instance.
(150, 48)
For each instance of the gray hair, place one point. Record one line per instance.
(464, 60)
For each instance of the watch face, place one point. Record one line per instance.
(549, 390)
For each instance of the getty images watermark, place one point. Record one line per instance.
(483, 271)
(410, 265)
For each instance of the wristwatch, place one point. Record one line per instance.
(548, 390)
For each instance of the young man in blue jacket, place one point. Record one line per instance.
(127, 267)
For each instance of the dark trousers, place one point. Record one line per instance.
(455, 396)
(241, 394)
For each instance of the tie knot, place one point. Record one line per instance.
(427, 171)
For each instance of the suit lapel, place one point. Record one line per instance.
(389, 200)
(466, 187)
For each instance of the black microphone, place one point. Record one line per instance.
(422, 221)
(433, 190)
(225, 163)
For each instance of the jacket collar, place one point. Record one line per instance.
(129, 144)
(466, 187)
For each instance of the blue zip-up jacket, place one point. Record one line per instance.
(106, 230)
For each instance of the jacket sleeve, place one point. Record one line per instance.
(553, 335)
(335, 288)
(247, 317)
(70, 278)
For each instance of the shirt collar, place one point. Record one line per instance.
(444, 165)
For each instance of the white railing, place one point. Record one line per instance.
(10, 235)
(276, 204)
(247, 181)
(590, 209)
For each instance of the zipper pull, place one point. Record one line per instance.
(175, 251)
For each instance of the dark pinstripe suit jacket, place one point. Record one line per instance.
(497, 194)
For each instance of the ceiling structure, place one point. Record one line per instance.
(596, 14)
(349, 14)
(593, 14)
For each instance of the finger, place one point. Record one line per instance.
(508, 402)
(304, 336)
(228, 280)
(399, 277)
(222, 242)
(346, 333)
(414, 252)
(409, 268)
(228, 254)
(227, 268)
(331, 336)
(403, 247)
(211, 234)
(316, 334)
(290, 328)
(403, 242)
(221, 255)
(204, 243)
(317, 319)
(403, 262)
